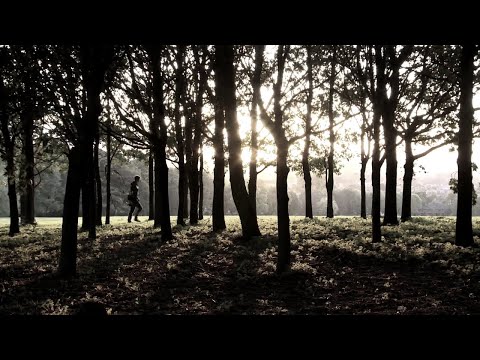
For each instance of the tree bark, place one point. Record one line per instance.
(68, 249)
(390, 217)
(12, 194)
(256, 84)
(307, 177)
(218, 212)
(85, 205)
(239, 191)
(200, 186)
(9, 148)
(380, 94)
(29, 163)
(283, 217)
(98, 184)
(162, 205)
(330, 164)
(407, 181)
(108, 171)
(151, 187)
(179, 92)
(463, 230)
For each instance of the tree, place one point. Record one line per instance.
(308, 133)
(463, 230)
(94, 62)
(239, 191)
(179, 93)
(8, 134)
(393, 63)
(428, 106)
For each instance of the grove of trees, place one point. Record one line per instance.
(79, 121)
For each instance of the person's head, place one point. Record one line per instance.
(137, 179)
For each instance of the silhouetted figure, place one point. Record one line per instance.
(133, 201)
(92, 308)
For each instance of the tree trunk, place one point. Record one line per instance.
(108, 172)
(200, 77)
(363, 168)
(464, 232)
(98, 185)
(85, 205)
(218, 212)
(283, 218)
(9, 157)
(151, 187)
(92, 189)
(179, 92)
(306, 150)
(12, 195)
(376, 165)
(330, 164)
(29, 163)
(256, 84)
(237, 181)
(68, 249)
(407, 181)
(186, 213)
(200, 185)
(283, 260)
(390, 217)
(162, 205)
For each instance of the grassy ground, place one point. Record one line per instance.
(335, 269)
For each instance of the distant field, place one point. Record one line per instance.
(57, 221)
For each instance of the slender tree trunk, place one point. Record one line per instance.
(283, 260)
(331, 119)
(162, 205)
(237, 181)
(256, 84)
(29, 163)
(306, 150)
(68, 250)
(12, 195)
(283, 217)
(200, 76)
(186, 213)
(464, 232)
(108, 172)
(22, 203)
(91, 183)
(200, 185)
(98, 184)
(390, 217)
(363, 196)
(407, 181)
(151, 187)
(218, 212)
(376, 165)
(179, 93)
(85, 205)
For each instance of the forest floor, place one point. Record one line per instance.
(335, 269)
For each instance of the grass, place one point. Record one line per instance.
(335, 269)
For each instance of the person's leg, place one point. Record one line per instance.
(132, 207)
(139, 208)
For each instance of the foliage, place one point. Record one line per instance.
(335, 270)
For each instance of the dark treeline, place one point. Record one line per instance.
(294, 108)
